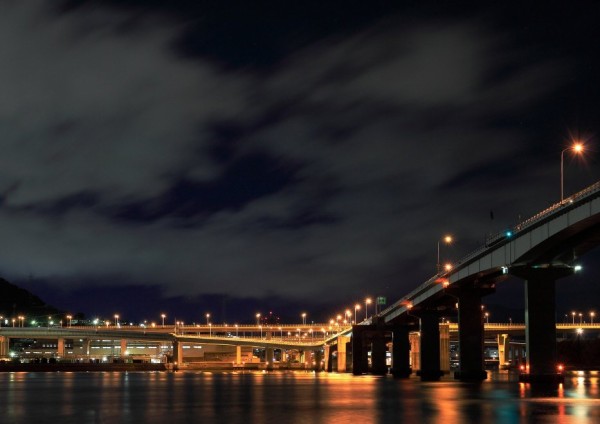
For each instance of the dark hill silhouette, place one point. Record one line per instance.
(15, 301)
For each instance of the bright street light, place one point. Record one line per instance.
(116, 320)
(447, 239)
(303, 318)
(163, 316)
(258, 318)
(356, 308)
(367, 303)
(592, 315)
(207, 319)
(577, 148)
(69, 317)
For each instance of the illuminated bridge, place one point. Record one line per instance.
(540, 250)
(102, 341)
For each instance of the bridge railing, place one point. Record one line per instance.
(532, 220)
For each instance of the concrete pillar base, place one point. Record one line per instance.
(470, 375)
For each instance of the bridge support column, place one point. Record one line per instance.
(445, 348)
(4, 346)
(342, 353)
(378, 364)
(238, 355)
(360, 364)
(400, 352)
(470, 336)
(60, 347)
(85, 347)
(318, 355)
(269, 355)
(327, 358)
(540, 322)
(123, 347)
(430, 346)
(503, 349)
(414, 339)
(177, 352)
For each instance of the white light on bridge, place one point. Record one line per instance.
(577, 268)
(504, 270)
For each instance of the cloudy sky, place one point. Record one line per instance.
(189, 156)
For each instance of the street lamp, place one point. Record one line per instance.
(258, 318)
(592, 315)
(487, 317)
(163, 316)
(303, 318)
(356, 308)
(580, 318)
(573, 313)
(447, 240)
(69, 317)
(576, 148)
(116, 320)
(209, 329)
(367, 303)
(207, 319)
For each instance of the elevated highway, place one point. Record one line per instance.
(540, 250)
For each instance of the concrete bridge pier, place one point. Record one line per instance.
(177, 352)
(400, 352)
(342, 353)
(123, 347)
(378, 353)
(360, 362)
(60, 347)
(470, 336)
(503, 349)
(318, 355)
(328, 366)
(85, 347)
(430, 345)
(238, 355)
(4, 346)
(540, 321)
(269, 355)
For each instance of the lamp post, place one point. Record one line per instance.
(592, 315)
(163, 316)
(356, 308)
(258, 318)
(69, 317)
(367, 303)
(573, 313)
(116, 320)
(447, 240)
(207, 319)
(580, 318)
(303, 318)
(576, 148)
(487, 317)
(236, 330)
(209, 329)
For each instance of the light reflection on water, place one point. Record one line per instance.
(291, 397)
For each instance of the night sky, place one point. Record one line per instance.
(188, 157)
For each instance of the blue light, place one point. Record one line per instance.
(508, 234)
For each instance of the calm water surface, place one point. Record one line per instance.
(287, 398)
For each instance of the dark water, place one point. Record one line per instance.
(287, 398)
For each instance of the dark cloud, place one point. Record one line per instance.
(258, 158)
